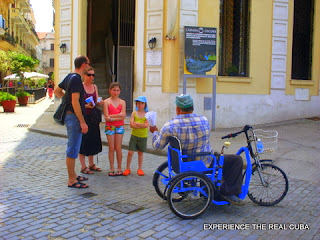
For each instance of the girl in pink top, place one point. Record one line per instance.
(114, 113)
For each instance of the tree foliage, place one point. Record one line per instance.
(17, 63)
(20, 63)
(4, 61)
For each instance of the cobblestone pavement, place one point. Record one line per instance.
(35, 202)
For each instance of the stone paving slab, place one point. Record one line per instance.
(298, 142)
(35, 202)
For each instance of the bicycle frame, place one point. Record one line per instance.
(215, 178)
(215, 172)
(256, 156)
(192, 186)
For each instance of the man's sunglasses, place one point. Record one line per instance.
(90, 75)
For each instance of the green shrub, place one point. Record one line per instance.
(22, 94)
(4, 96)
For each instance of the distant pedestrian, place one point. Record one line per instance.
(50, 88)
(74, 120)
(91, 142)
(139, 134)
(115, 113)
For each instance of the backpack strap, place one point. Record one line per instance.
(67, 88)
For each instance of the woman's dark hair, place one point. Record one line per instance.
(90, 69)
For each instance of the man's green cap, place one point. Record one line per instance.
(184, 101)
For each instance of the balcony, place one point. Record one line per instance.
(22, 20)
(16, 14)
(7, 41)
(25, 4)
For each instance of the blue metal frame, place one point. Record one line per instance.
(199, 166)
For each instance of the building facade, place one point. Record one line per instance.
(6, 41)
(18, 22)
(47, 48)
(267, 60)
(17, 29)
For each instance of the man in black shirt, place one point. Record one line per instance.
(74, 120)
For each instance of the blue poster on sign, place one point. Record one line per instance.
(200, 49)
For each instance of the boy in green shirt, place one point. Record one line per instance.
(139, 135)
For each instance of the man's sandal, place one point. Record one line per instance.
(79, 178)
(78, 185)
(95, 168)
(112, 174)
(86, 170)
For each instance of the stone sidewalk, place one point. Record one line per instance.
(298, 143)
(35, 202)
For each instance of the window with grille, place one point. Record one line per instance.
(234, 38)
(51, 62)
(302, 39)
(51, 46)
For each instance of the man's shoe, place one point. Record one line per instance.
(233, 200)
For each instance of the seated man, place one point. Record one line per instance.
(194, 134)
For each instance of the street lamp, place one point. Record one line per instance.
(152, 43)
(63, 47)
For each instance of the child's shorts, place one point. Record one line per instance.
(137, 144)
(111, 130)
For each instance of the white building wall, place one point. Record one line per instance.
(238, 110)
(66, 37)
(279, 44)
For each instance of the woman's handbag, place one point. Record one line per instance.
(95, 115)
(60, 113)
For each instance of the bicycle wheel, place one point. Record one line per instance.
(161, 172)
(194, 191)
(273, 190)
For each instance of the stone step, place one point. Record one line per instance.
(100, 79)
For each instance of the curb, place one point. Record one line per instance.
(104, 143)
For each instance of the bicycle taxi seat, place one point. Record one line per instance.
(179, 162)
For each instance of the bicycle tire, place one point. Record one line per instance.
(161, 172)
(276, 188)
(195, 193)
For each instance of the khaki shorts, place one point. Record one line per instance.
(138, 144)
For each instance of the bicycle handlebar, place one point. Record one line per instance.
(231, 135)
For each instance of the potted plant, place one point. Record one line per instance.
(8, 101)
(22, 97)
(1, 93)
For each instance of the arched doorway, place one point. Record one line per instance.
(110, 44)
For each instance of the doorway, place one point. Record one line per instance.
(110, 44)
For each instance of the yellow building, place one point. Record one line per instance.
(267, 65)
(5, 39)
(19, 31)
